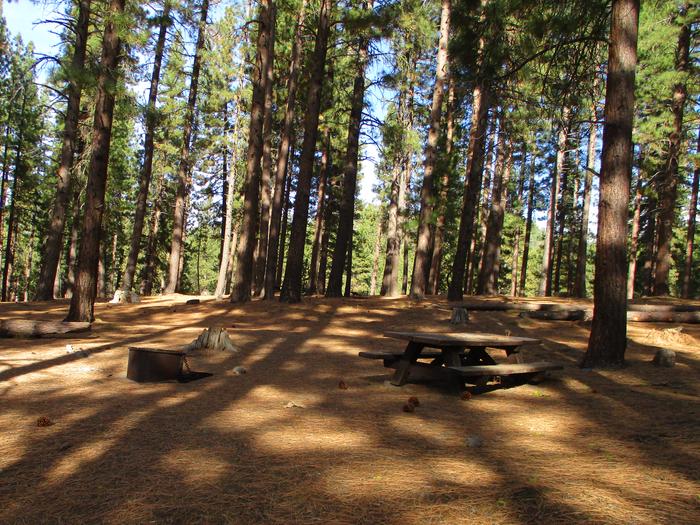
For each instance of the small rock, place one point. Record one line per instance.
(665, 358)
(292, 404)
(474, 441)
(83, 353)
(408, 407)
(44, 421)
(240, 370)
(342, 385)
(192, 301)
(413, 400)
(69, 349)
(466, 395)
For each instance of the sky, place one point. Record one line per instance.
(23, 17)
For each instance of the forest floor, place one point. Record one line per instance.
(585, 446)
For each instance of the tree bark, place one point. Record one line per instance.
(690, 237)
(148, 148)
(546, 283)
(488, 275)
(472, 189)
(243, 274)
(283, 231)
(266, 180)
(561, 217)
(436, 261)
(668, 180)
(421, 261)
(582, 255)
(528, 224)
(347, 205)
(375, 258)
(632, 268)
(184, 169)
(54, 235)
(291, 288)
(607, 342)
(150, 260)
(83, 301)
(12, 220)
(278, 199)
(72, 252)
(314, 284)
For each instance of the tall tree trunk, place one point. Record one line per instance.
(528, 223)
(12, 220)
(421, 261)
(562, 213)
(147, 167)
(278, 199)
(488, 275)
(690, 237)
(404, 277)
(348, 271)
(347, 203)
(230, 173)
(72, 252)
(472, 189)
(436, 261)
(291, 288)
(283, 231)
(243, 274)
(54, 235)
(400, 185)
(606, 346)
(83, 301)
(5, 174)
(557, 174)
(390, 281)
(28, 260)
(266, 180)
(582, 256)
(184, 169)
(375, 258)
(668, 179)
(632, 269)
(314, 284)
(151, 243)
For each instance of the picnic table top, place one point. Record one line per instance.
(460, 338)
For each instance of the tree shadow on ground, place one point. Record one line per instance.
(227, 449)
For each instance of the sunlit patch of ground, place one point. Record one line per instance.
(284, 444)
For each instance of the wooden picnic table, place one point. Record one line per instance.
(457, 358)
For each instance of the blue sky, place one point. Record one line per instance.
(23, 18)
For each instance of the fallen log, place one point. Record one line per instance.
(30, 328)
(560, 315)
(663, 308)
(637, 317)
(664, 317)
(493, 306)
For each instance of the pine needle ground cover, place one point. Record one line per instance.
(284, 444)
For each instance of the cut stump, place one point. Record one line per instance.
(212, 338)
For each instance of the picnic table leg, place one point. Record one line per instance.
(410, 356)
(452, 356)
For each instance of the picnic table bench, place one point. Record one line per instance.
(457, 357)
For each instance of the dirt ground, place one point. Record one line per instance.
(585, 446)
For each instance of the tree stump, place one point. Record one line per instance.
(459, 315)
(214, 339)
(121, 296)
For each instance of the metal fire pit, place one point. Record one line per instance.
(154, 364)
